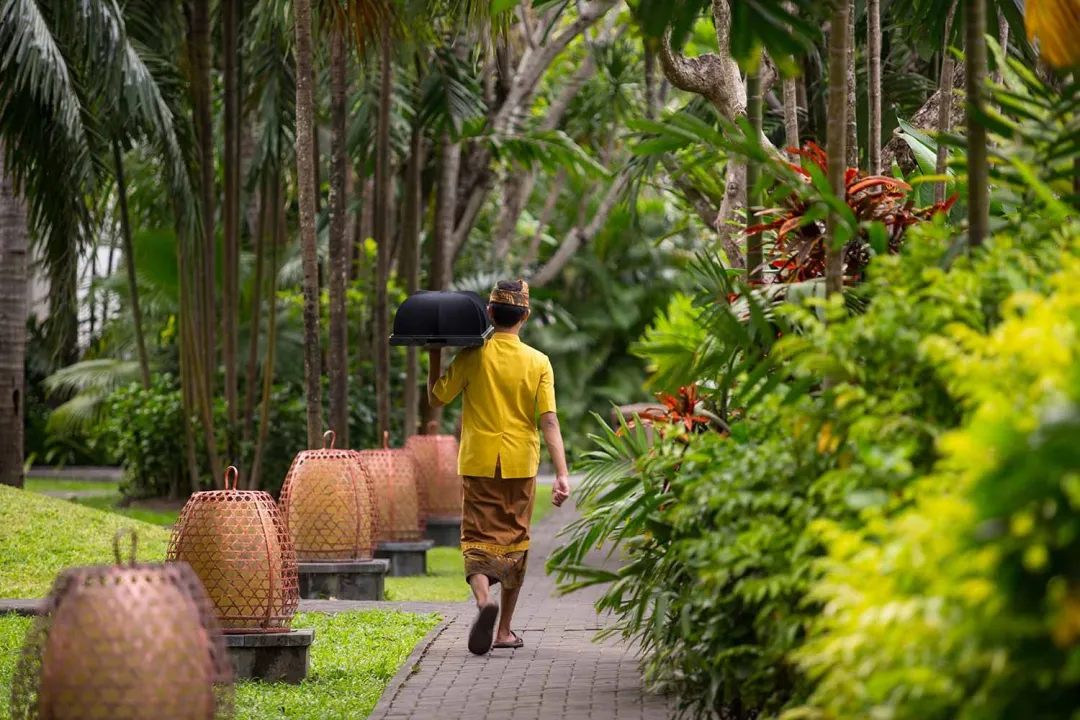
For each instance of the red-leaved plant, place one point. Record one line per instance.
(798, 252)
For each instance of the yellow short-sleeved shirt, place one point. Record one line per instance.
(506, 385)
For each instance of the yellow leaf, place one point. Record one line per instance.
(1056, 24)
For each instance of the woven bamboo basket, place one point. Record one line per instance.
(124, 642)
(237, 542)
(437, 467)
(397, 492)
(328, 501)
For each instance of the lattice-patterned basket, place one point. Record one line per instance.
(437, 466)
(328, 501)
(397, 492)
(237, 542)
(124, 642)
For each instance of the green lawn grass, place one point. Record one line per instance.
(40, 536)
(110, 503)
(353, 658)
(34, 484)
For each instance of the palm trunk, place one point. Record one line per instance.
(410, 267)
(383, 200)
(791, 113)
(852, 145)
(944, 120)
(200, 50)
(837, 139)
(439, 275)
(256, 312)
(14, 309)
(129, 262)
(873, 20)
(277, 217)
(754, 259)
(1003, 41)
(978, 171)
(230, 9)
(188, 380)
(338, 264)
(305, 171)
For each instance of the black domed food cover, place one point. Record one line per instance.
(442, 319)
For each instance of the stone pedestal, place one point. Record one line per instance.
(271, 657)
(406, 558)
(343, 580)
(444, 531)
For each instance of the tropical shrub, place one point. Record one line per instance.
(721, 532)
(959, 597)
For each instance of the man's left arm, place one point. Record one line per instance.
(549, 424)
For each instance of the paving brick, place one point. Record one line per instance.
(562, 672)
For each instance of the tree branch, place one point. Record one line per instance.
(579, 237)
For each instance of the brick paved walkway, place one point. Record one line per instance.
(562, 672)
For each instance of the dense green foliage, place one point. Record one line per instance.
(726, 532)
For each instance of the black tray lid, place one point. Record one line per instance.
(442, 319)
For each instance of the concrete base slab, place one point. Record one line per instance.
(444, 531)
(344, 580)
(407, 559)
(271, 657)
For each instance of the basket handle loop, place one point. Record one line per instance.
(328, 439)
(231, 473)
(386, 440)
(134, 545)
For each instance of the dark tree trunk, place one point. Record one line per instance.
(129, 262)
(14, 309)
(305, 171)
(838, 100)
(338, 264)
(410, 267)
(383, 201)
(944, 121)
(277, 216)
(230, 10)
(754, 259)
(200, 52)
(874, 79)
(852, 143)
(262, 223)
(978, 171)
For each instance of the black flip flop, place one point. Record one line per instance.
(483, 629)
(512, 645)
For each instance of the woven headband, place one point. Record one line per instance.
(510, 297)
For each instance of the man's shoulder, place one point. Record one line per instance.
(534, 354)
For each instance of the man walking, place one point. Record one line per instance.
(506, 385)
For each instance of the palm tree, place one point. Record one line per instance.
(70, 71)
(129, 261)
(873, 50)
(383, 202)
(754, 259)
(944, 121)
(837, 138)
(230, 9)
(978, 169)
(14, 251)
(339, 247)
(305, 171)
